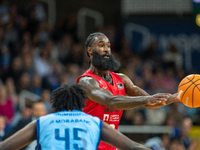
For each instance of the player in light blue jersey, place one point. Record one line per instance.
(69, 128)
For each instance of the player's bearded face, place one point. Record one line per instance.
(102, 63)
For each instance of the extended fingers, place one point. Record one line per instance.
(163, 95)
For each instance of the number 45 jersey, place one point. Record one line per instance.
(68, 130)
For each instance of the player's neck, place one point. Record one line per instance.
(98, 72)
(103, 74)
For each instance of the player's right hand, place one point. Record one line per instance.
(158, 98)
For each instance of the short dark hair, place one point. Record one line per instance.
(68, 98)
(90, 39)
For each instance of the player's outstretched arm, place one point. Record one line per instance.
(117, 139)
(133, 90)
(105, 97)
(21, 138)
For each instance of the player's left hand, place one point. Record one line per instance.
(175, 97)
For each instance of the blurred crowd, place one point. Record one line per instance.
(37, 57)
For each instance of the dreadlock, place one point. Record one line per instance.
(68, 98)
(90, 39)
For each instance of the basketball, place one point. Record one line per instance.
(189, 90)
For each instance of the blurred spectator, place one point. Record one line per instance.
(36, 45)
(43, 64)
(24, 82)
(182, 133)
(159, 143)
(36, 86)
(40, 13)
(22, 26)
(5, 59)
(174, 115)
(46, 96)
(33, 22)
(43, 31)
(189, 112)
(138, 119)
(11, 33)
(23, 113)
(151, 52)
(11, 90)
(125, 51)
(195, 117)
(64, 47)
(27, 64)
(2, 127)
(170, 83)
(73, 72)
(14, 15)
(26, 50)
(2, 38)
(6, 104)
(173, 58)
(127, 117)
(26, 39)
(75, 55)
(52, 80)
(58, 30)
(195, 145)
(133, 67)
(71, 25)
(63, 79)
(147, 75)
(176, 145)
(157, 81)
(180, 74)
(4, 9)
(52, 48)
(38, 110)
(15, 69)
(155, 116)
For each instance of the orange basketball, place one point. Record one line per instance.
(189, 90)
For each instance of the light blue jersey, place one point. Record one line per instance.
(68, 130)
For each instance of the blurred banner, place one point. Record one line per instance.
(165, 29)
(156, 6)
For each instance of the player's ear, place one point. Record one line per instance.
(89, 50)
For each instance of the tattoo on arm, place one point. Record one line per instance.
(136, 91)
(131, 89)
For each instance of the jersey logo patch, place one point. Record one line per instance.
(120, 86)
(105, 117)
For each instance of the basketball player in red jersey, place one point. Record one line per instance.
(106, 90)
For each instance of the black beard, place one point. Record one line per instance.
(103, 64)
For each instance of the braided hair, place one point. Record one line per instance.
(90, 39)
(68, 98)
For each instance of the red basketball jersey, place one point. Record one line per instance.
(108, 115)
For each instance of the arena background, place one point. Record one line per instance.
(142, 34)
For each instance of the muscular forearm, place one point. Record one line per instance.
(127, 102)
(135, 98)
(105, 97)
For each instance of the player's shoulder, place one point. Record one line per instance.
(121, 75)
(87, 81)
(124, 78)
